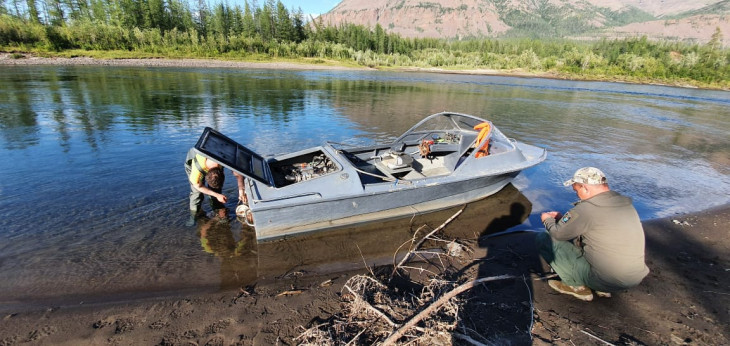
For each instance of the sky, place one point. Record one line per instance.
(313, 7)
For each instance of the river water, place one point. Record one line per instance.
(93, 197)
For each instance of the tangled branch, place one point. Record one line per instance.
(374, 311)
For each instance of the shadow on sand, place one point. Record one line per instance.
(684, 299)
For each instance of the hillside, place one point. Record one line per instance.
(692, 21)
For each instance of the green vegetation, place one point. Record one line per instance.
(631, 15)
(719, 7)
(180, 29)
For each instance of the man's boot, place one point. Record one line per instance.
(192, 220)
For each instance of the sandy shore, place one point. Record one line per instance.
(27, 59)
(684, 300)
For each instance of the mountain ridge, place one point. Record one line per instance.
(681, 20)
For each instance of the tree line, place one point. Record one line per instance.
(197, 28)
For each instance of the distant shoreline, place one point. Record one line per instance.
(29, 59)
(7, 59)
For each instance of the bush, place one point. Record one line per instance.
(15, 31)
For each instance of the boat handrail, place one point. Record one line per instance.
(290, 196)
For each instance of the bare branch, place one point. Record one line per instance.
(418, 245)
(597, 338)
(441, 301)
(372, 308)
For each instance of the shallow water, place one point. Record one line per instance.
(93, 197)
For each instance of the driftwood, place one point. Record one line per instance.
(373, 312)
(371, 308)
(410, 253)
(433, 307)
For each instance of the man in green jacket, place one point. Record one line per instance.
(598, 245)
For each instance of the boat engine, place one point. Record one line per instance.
(320, 165)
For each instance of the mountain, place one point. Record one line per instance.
(693, 21)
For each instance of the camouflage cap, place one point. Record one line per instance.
(587, 175)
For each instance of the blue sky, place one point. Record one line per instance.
(314, 7)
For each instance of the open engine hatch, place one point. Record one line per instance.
(229, 153)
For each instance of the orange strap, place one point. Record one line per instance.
(484, 131)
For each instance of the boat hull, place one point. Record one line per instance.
(294, 220)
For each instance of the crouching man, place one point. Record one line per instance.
(201, 170)
(596, 246)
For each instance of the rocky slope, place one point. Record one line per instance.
(693, 21)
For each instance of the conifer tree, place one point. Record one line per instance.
(284, 29)
(202, 17)
(33, 15)
(249, 26)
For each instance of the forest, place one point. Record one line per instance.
(270, 31)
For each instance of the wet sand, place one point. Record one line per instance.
(684, 300)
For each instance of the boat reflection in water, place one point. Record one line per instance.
(243, 261)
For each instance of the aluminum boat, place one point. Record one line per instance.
(446, 159)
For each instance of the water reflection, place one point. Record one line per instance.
(236, 252)
(242, 261)
(351, 248)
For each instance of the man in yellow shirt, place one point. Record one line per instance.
(201, 170)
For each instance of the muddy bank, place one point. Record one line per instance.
(684, 300)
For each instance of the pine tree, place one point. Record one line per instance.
(284, 29)
(716, 39)
(249, 26)
(265, 20)
(202, 18)
(33, 11)
(299, 27)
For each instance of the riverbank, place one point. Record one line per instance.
(26, 59)
(684, 300)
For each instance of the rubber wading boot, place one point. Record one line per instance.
(193, 219)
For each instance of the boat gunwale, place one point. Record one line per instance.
(433, 181)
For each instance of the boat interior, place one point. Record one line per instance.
(406, 160)
(434, 147)
(419, 153)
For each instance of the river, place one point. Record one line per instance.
(93, 196)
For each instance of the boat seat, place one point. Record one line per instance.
(398, 148)
(395, 166)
